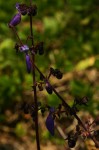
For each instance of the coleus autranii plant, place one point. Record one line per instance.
(82, 129)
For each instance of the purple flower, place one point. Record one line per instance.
(28, 63)
(17, 6)
(24, 48)
(22, 8)
(15, 20)
(50, 124)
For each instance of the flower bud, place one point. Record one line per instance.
(50, 124)
(56, 72)
(22, 8)
(40, 48)
(15, 20)
(71, 143)
(28, 63)
(16, 47)
(72, 139)
(32, 10)
(52, 71)
(59, 75)
(52, 109)
(48, 88)
(24, 48)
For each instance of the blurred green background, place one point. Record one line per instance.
(70, 31)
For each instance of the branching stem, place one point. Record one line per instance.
(69, 109)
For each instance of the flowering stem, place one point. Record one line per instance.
(69, 109)
(34, 81)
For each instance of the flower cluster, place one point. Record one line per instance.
(23, 9)
(86, 129)
(56, 72)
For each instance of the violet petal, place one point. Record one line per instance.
(50, 124)
(28, 63)
(24, 48)
(15, 20)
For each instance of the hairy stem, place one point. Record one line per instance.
(34, 81)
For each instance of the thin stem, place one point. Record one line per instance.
(34, 81)
(14, 30)
(69, 109)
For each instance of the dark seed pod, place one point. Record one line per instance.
(59, 75)
(72, 139)
(15, 20)
(48, 88)
(16, 47)
(32, 10)
(71, 143)
(40, 47)
(56, 73)
(52, 71)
